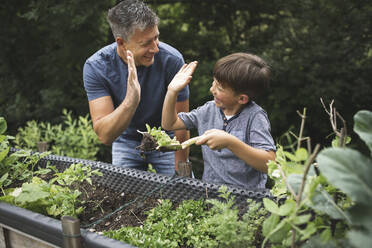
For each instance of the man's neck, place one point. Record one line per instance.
(122, 55)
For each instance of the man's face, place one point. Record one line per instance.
(144, 44)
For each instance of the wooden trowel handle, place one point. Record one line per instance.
(190, 142)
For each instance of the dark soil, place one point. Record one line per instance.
(148, 143)
(101, 201)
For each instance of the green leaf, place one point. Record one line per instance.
(3, 153)
(301, 219)
(287, 207)
(3, 178)
(295, 180)
(363, 127)
(361, 215)
(348, 170)
(317, 242)
(309, 230)
(301, 154)
(323, 202)
(271, 206)
(3, 125)
(30, 193)
(360, 238)
(270, 224)
(336, 141)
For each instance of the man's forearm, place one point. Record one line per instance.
(111, 126)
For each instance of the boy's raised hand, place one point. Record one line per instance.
(183, 77)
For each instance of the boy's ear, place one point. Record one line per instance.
(243, 99)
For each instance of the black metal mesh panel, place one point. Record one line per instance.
(142, 182)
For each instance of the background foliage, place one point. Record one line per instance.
(316, 48)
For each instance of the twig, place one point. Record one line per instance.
(343, 132)
(303, 117)
(307, 167)
(333, 114)
(136, 216)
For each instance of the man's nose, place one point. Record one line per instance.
(155, 46)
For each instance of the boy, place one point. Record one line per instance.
(235, 130)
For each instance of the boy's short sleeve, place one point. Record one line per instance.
(259, 135)
(193, 118)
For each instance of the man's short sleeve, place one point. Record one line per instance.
(93, 84)
(173, 69)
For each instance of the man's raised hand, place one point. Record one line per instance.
(133, 86)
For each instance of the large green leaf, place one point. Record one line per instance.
(363, 126)
(323, 202)
(31, 193)
(348, 170)
(2, 125)
(361, 215)
(360, 238)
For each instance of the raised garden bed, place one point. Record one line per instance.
(118, 186)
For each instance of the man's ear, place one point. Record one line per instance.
(121, 43)
(243, 98)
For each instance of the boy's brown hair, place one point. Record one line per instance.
(244, 73)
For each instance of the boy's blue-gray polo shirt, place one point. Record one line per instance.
(251, 126)
(105, 74)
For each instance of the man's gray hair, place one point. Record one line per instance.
(129, 15)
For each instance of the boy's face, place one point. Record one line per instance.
(226, 99)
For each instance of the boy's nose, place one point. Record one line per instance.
(211, 89)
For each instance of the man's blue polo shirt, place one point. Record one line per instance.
(105, 74)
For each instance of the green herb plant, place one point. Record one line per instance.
(19, 165)
(193, 224)
(51, 198)
(74, 137)
(75, 175)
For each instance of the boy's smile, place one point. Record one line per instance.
(226, 98)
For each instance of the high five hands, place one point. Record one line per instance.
(133, 86)
(183, 77)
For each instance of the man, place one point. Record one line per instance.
(119, 103)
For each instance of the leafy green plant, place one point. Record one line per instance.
(161, 137)
(46, 198)
(17, 166)
(193, 224)
(350, 171)
(317, 201)
(51, 198)
(74, 138)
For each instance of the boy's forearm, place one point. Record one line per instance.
(169, 115)
(257, 158)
